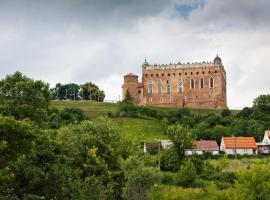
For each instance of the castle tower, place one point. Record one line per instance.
(131, 85)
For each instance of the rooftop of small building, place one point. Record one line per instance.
(131, 74)
(239, 142)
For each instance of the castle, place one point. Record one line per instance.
(181, 85)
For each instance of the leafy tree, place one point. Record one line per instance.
(186, 175)
(90, 91)
(68, 91)
(226, 113)
(139, 178)
(181, 137)
(254, 183)
(23, 97)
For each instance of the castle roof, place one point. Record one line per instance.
(131, 74)
(239, 142)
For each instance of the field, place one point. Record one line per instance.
(90, 109)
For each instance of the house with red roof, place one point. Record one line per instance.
(203, 146)
(238, 145)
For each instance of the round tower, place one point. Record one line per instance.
(131, 86)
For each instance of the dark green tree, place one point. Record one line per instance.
(70, 91)
(23, 97)
(90, 91)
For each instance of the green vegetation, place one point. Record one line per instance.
(50, 153)
(89, 109)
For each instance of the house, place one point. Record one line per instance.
(238, 145)
(203, 146)
(164, 144)
(264, 146)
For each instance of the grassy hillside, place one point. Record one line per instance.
(141, 129)
(94, 109)
(90, 109)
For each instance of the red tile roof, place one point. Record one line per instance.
(239, 142)
(206, 145)
(130, 74)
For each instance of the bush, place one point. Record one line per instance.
(186, 175)
(168, 178)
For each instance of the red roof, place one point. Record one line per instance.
(239, 142)
(206, 145)
(131, 74)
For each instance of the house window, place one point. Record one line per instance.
(168, 89)
(201, 83)
(211, 82)
(159, 89)
(192, 84)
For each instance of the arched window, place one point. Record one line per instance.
(192, 84)
(168, 89)
(159, 89)
(201, 83)
(211, 82)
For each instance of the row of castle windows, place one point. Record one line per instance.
(180, 86)
(191, 73)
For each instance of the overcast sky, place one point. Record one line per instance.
(101, 40)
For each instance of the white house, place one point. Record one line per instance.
(203, 146)
(264, 146)
(238, 145)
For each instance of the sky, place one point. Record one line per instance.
(101, 40)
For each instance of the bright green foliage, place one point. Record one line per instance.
(254, 184)
(139, 178)
(23, 97)
(186, 175)
(182, 139)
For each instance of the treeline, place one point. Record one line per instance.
(73, 91)
(247, 122)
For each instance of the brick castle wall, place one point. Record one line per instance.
(196, 85)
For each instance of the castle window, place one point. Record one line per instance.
(162, 74)
(150, 89)
(168, 89)
(159, 89)
(139, 91)
(168, 74)
(209, 72)
(180, 86)
(203, 72)
(191, 73)
(192, 84)
(211, 82)
(157, 75)
(215, 71)
(185, 73)
(180, 74)
(168, 81)
(151, 74)
(197, 73)
(201, 83)
(150, 81)
(145, 75)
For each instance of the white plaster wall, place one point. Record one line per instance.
(240, 151)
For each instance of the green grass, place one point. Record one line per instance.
(90, 109)
(141, 129)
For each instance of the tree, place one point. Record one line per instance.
(254, 183)
(90, 91)
(186, 175)
(70, 91)
(23, 97)
(182, 139)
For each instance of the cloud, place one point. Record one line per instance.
(100, 41)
